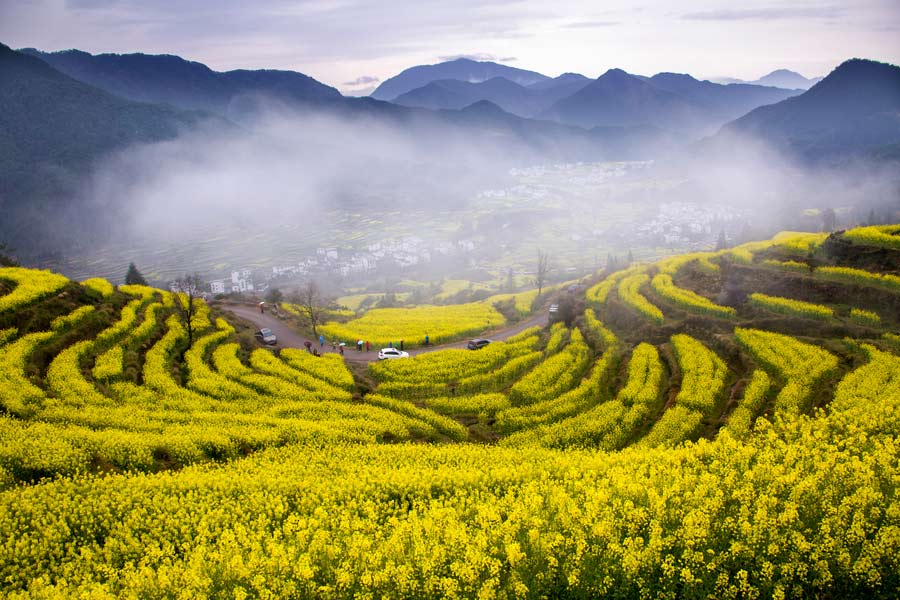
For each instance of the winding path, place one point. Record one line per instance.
(288, 337)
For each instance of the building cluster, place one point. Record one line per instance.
(240, 282)
(687, 222)
(402, 252)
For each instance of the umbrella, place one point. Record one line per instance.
(342, 344)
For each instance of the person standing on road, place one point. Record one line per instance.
(342, 349)
(321, 341)
(427, 341)
(401, 345)
(262, 307)
(308, 345)
(368, 346)
(390, 344)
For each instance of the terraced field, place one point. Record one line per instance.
(713, 425)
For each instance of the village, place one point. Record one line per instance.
(401, 253)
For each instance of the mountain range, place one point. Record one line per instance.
(166, 79)
(524, 101)
(671, 101)
(240, 95)
(62, 112)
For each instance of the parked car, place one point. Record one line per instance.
(553, 313)
(477, 344)
(266, 336)
(386, 353)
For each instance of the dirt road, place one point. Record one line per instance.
(290, 338)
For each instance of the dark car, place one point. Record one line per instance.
(477, 344)
(266, 336)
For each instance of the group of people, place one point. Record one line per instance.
(360, 344)
(335, 346)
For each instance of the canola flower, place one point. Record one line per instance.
(691, 301)
(630, 295)
(72, 319)
(703, 381)
(883, 236)
(294, 495)
(755, 393)
(609, 424)
(860, 276)
(381, 326)
(99, 285)
(802, 508)
(600, 292)
(791, 307)
(865, 317)
(800, 365)
(788, 265)
(29, 285)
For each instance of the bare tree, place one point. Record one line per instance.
(191, 286)
(6, 256)
(312, 302)
(543, 269)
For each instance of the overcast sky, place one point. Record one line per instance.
(352, 44)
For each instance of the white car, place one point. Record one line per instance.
(386, 353)
(266, 336)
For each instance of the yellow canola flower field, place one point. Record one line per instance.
(630, 295)
(441, 324)
(28, 285)
(99, 285)
(801, 366)
(791, 307)
(249, 473)
(860, 276)
(703, 381)
(662, 284)
(802, 509)
(884, 236)
(740, 421)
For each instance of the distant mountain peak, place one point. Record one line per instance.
(674, 76)
(461, 69)
(615, 72)
(484, 106)
(783, 72)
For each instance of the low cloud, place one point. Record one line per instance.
(362, 80)
(479, 56)
(767, 14)
(591, 24)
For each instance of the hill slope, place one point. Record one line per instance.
(52, 129)
(167, 79)
(282, 471)
(724, 102)
(619, 99)
(854, 111)
(672, 101)
(511, 97)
